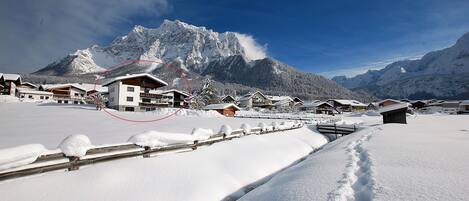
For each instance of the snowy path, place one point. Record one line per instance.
(426, 159)
(358, 182)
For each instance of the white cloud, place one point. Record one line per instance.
(35, 33)
(252, 49)
(353, 71)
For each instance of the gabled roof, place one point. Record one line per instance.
(393, 107)
(228, 96)
(29, 83)
(135, 76)
(11, 77)
(220, 106)
(315, 104)
(296, 99)
(249, 95)
(392, 100)
(349, 102)
(57, 86)
(177, 91)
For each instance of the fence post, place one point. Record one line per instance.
(195, 144)
(146, 154)
(73, 160)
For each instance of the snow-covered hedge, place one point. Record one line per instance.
(246, 128)
(226, 129)
(202, 133)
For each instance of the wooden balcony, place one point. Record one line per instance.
(160, 104)
(149, 95)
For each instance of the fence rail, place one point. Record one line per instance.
(336, 129)
(58, 161)
(324, 119)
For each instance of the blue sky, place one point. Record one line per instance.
(326, 37)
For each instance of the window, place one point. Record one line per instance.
(47, 97)
(59, 101)
(22, 96)
(129, 109)
(30, 96)
(146, 100)
(130, 99)
(76, 94)
(82, 95)
(130, 89)
(66, 101)
(41, 97)
(75, 102)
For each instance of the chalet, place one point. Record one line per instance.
(347, 105)
(226, 109)
(66, 93)
(9, 83)
(281, 102)
(395, 113)
(451, 107)
(33, 94)
(464, 107)
(229, 99)
(255, 99)
(418, 104)
(388, 102)
(132, 93)
(176, 98)
(318, 107)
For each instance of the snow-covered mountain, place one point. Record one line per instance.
(173, 40)
(438, 74)
(232, 59)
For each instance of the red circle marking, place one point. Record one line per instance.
(168, 66)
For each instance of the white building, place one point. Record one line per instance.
(8, 83)
(66, 93)
(464, 106)
(32, 94)
(132, 92)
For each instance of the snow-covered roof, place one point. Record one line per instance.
(32, 91)
(178, 91)
(249, 95)
(28, 83)
(393, 107)
(220, 106)
(349, 102)
(315, 104)
(224, 97)
(280, 98)
(55, 86)
(11, 77)
(464, 102)
(392, 100)
(135, 76)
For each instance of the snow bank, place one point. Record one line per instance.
(9, 99)
(246, 128)
(350, 122)
(275, 126)
(202, 133)
(159, 139)
(20, 155)
(75, 145)
(211, 173)
(226, 129)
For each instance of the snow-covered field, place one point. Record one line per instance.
(426, 159)
(49, 124)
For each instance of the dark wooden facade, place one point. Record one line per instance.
(395, 116)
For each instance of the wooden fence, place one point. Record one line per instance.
(337, 130)
(58, 161)
(324, 119)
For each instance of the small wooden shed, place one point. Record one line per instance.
(395, 113)
(226, 109)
